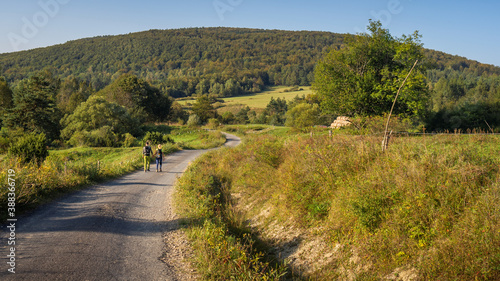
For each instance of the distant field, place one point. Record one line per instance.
(260, 100)
(257, 101)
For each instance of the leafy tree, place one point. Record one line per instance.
(129, 140)
(92, 116)
(143, 101)
(35, 107)
(363, 77)
(227, 117)
(193, 120)
(177, 113)
(203, 109)
(157, 138)
(242, 115)
(5, 98)
(72, 93)
(467, 116)
(275, 111)
(303, 115)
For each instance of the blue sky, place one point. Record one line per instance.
(465, 28)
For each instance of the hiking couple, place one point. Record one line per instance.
(146, 152)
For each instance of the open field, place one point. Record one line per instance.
(260, 100)
(256, 101)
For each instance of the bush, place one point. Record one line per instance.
(103, 137)
(157, 138)
(30, 148)
(213, 123)
(128, 140)
(194, 121)
(4, 144)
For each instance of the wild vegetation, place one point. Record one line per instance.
(427, 208)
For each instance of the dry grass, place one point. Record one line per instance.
(427, 208)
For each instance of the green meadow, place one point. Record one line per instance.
(260, 100)
(257, 101)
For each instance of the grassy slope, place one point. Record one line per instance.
(341, 209)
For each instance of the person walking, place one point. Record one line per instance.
(146, 152)
(159, 157)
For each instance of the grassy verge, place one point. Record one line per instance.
(195, 138)
(65, 171)
(428, 208)
(224, 249)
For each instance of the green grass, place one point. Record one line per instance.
(196, 138)
(256, 101)
(223, 250)
(429, 204)
(261, 100)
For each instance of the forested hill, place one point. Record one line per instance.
(253, 58)
(220, 61)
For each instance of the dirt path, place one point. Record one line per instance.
(121, 230)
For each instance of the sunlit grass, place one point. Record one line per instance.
(429, 204)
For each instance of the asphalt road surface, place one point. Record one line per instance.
(112, 231)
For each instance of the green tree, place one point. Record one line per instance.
(5, 98)
(35, 108)
(72, 93)
(303, 115)
(87, 123)
(203, 109)
(142, 101)
(242, 115)
(363, 77)
(275, 111)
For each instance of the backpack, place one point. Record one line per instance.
(146, 151)
(159, 153)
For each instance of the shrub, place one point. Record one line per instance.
(157, 138)
(213, 123)
(128, 140)
(30, 148)
(4, 144)
(193, 121)
(103, 137)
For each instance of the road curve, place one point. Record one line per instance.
(111, 231)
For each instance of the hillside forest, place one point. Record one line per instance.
(99, 91)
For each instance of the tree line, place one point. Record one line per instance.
(70, 111)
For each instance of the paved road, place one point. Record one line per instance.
(112, 231)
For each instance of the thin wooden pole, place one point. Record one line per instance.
(385, 142)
